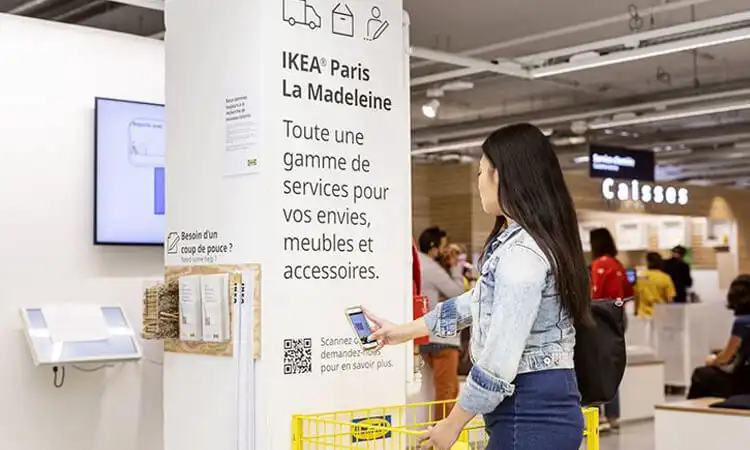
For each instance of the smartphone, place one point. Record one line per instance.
(361, 327)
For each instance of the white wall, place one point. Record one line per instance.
(49, 76)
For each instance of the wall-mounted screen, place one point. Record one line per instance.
(632, 275)
(621, 163)
(129, 159)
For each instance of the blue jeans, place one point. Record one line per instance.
(612, 409)
(544, 413)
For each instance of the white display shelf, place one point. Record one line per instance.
(584, 229)
(674, 231)
(632, 235)
(717, 233)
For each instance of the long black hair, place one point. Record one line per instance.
(602, 243)
(533, 193)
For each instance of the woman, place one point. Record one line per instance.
(533, 287)
(609, 281)
(728, 373)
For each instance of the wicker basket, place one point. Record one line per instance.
(161, 315)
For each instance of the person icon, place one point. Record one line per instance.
(375, 25)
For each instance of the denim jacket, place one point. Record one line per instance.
(519, 324)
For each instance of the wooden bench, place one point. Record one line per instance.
(694, 425)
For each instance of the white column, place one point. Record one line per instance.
(288, 137)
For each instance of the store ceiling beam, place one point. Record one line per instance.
(148, 4)
(719, 161)
(577, 28)
(86, 10)
(507, 68)
(739, 180)
(630, 55)
(693, 158)
(743, 170)
(668, 116)
(704, 137)
(630, 47)
(478, 128)
(672, 33)
(25, 8)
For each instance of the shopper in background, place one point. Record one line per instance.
(654, 286)
(455, 256)
(442, 353)
(532, 290)
(728, 373)
(609, 281)
(679, 271)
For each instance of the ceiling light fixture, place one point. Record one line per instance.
(674, 115)
(572, 140)
(642, 53)
(430, 109)
(579, 127)
(458, 85)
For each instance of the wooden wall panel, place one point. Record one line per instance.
(443, 198)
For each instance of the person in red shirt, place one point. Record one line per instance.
(609, 281)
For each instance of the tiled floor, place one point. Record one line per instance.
(638, 436)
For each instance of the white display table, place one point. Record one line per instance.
(692, 425)
(642, 386)
(640, 332)
(686, 333)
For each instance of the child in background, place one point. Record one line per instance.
(653, 286)
(455, 256)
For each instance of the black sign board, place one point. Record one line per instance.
(621, 163)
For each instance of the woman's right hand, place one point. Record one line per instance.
(386, 332)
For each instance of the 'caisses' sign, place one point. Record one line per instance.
(647, 193)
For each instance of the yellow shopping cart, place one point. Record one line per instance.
(397, 428)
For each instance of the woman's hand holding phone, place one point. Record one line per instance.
(388, 333)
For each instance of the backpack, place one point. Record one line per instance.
(600, 354)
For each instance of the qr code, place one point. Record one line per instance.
(297, 356)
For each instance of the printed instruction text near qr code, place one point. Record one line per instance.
(297, 356)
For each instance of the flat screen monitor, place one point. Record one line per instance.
(130, 146)
(632, 276)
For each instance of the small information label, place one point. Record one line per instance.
(241, 141)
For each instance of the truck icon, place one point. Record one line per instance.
(298, 12)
